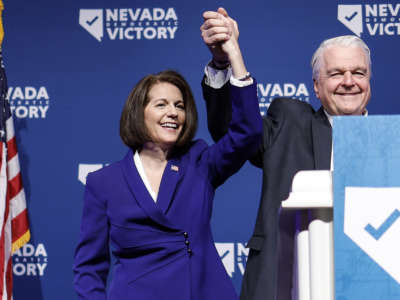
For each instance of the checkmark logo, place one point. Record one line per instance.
(224, 254)
(90, 23)
(377, 233)
(351, 17)
(372, 222)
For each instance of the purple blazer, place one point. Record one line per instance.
(163, 250)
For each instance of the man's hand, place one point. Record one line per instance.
(220, 33)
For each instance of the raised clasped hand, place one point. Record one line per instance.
(220, 33)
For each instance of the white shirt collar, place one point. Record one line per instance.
(139, 167)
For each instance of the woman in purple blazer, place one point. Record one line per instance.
(154, 206)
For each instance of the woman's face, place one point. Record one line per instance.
(164, 114)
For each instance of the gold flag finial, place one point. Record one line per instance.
(1, 23)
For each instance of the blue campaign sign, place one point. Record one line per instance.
(367, 207)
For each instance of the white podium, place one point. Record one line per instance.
(312, 196)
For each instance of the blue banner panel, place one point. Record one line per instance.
(367, 207)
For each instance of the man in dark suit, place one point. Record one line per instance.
(296, 137)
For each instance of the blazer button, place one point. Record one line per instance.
(185, 234)
(187, 243)
(189, 251)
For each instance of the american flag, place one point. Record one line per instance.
(13, 213)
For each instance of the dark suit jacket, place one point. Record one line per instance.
(163, 250)
(295, 138)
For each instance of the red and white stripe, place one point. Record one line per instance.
(13, 213)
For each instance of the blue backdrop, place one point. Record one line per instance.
(72, 64)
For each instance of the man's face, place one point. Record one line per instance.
(343, 81)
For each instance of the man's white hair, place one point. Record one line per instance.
(343, 41)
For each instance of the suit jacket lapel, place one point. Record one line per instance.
(322, 140)
(140, 193)
(171, 176)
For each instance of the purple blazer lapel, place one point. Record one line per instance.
(171, 176)
(322, 140)
(140, 193)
